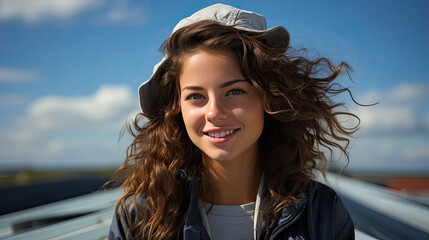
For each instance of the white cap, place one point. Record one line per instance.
(230, 16)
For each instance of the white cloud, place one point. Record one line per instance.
(394, 152)
(395, 133)
(13, 75)
(70, 131)
(398, 109)
(54, 146)
(34, 10)
(105, 107)
(102, 12)
(123, 11)
(119, 12)
(388, 117)
(408, 93)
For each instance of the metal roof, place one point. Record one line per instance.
(378, 213)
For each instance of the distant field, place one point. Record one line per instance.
(26, 188)
(27, 176)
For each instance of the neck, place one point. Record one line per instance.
(233, 182)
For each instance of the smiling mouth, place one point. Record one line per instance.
(220, 134)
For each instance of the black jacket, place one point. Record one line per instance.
(319, 214)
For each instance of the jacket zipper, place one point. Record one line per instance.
(285, 225)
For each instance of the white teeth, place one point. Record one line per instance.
(220, 134)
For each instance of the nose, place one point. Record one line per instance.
(215, 110)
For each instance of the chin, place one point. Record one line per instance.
(219, 157)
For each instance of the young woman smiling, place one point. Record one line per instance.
(234, 130)
(224, 117)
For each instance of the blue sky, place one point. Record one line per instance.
(69, 72)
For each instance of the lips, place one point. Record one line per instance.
(220, 135)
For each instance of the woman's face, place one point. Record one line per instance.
(222, 112)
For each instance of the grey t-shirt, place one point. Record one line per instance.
(230, 222)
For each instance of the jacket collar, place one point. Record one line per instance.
(289, 215)
(194, 228)
(294, 209)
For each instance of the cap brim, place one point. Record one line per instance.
(277, 37)
(148, 91)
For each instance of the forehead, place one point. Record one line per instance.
(215, 65)
(194, 55)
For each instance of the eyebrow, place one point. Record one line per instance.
(224, 85)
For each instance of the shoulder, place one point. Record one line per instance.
(325, 207)
(320, 191)
(126, 214)
(323, 201)
(132, 205)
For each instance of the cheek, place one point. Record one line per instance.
(252, 113)
(251, 108)
(192, 119)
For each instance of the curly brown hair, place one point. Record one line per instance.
(301, 120)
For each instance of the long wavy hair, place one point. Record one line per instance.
(301, 129)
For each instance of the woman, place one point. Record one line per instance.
(234, 133)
